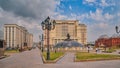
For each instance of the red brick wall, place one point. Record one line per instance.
(108, 42)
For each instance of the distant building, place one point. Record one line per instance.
(77, 31)
(106, 41)
(17, 36)
(30, 40)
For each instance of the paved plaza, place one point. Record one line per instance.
(68, 58)
(32, 59)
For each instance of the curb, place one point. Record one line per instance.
(49, 61)
(90, 60)
(2, 57)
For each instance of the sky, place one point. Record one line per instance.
(100, 16)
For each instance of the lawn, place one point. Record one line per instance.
(92, 56)
(11, 51)
(53, 55)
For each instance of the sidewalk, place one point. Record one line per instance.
(25, 59)
(68, 58)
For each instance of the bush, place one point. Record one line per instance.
(110, 50)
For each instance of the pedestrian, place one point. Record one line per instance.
(55, 50)
(96, 50)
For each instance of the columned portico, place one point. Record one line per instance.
(16, 36)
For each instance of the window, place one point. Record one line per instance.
(64, 30)
(6, 32)
(12, 36)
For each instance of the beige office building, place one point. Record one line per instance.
(29, 39)
(77, 31)
(17, 36)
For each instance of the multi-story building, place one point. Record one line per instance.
(29, 40)
(101, 41)
(77, 31)
(16, 36)
(106, 41)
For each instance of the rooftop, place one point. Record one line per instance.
(104, 36)
(115, 36)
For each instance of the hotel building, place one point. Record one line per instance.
(77, 31)
(17, 36)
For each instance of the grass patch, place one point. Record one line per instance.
(11, 51)
(91, 56)
(53, 55)
(110, 50)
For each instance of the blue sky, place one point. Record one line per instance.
(100, 16)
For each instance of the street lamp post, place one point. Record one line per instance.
(40, 42)
(117, 29)
(48, 25)
(41, 39)
(88, 48)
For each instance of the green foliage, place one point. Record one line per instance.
(92, 56)
(53, 55)
(110, 50)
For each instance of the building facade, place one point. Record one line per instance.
(106, 41)
(17, 36)
(29, 40)
(77, 31)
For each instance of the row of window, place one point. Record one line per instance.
(9, 31)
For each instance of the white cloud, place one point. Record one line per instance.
(102, 25)
(108, 16)
(28, 8)
(89, 1)
(97, 29)
(27, 13)
(106, 3)
(101, 3)
(58, 16)
(118, 14)
(70, 7)
(98, 15)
